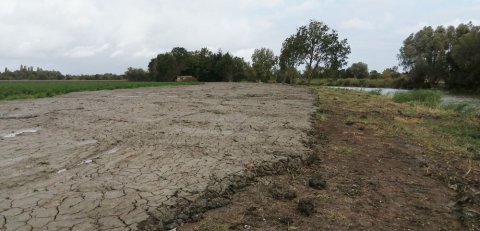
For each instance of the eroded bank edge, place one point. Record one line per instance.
(219, 192)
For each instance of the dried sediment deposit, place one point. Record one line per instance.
(109, 160)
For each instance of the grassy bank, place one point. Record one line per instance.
(429, 98)
(449, 135)
(10, 90)
(352, 82)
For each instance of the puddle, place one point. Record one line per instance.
(17, 132)
(382, 91)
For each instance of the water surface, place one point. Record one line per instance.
(446, 98)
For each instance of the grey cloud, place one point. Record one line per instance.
(90, 36)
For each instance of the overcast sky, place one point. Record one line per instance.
(101, 36)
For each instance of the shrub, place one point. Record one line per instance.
(430, 98)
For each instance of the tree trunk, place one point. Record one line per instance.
(309, 69)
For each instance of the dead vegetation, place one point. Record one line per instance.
(385, 166)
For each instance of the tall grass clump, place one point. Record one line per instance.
(429, 98)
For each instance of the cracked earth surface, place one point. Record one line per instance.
(109, 160)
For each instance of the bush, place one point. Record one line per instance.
(430, 98)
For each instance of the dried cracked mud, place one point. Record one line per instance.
(118, 160)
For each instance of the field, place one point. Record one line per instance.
(131, 159)
(238, 156)
(10, 90)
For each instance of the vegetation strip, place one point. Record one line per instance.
(41, 89)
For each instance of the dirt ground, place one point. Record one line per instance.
(150, 158)
(360, 176)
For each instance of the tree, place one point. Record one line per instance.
(444, 54)
(375, 75)
(136, 74)
(424, 55)
(167, 66)
(391, 73)
(264, 63)
(466, 61)
(203, 64)
(359, 70)
(315, 46)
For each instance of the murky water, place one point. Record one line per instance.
(382, 91)
(446, 99)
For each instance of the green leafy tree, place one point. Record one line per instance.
(317, 47)
(167, 66)
(391, 73)
(203, 64)
(359, 70)
(375, 75)
(136, 74)
(466, 61)
(442, 54)
(424, 55)
(264, 63)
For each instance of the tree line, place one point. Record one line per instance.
(205, 65)
(314, 47)
(31, 73)
(443, 56)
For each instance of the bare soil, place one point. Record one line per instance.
(148, 159)
(360, 176)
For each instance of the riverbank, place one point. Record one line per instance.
(447, 100)
(398, 83)
(354, 82)
(376, 165)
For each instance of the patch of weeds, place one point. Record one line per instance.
(429, 98)
(312, 158)
(222, 227)
(461, 109)
(336, 216)
(321, 197)
(322, 117)
(343, 149)
(469, 132)
(351, 190)
(456, 107)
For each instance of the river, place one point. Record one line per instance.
(446, 98)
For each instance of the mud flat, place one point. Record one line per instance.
(142, 158)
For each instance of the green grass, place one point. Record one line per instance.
(10, 90)
(468, 134)
(429, 98)
(446, 135)
(221, 227)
